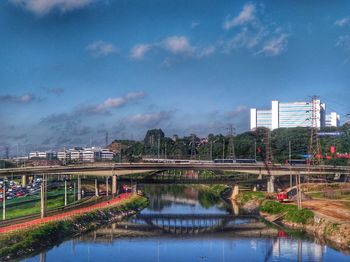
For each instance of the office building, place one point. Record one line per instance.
(291, 114)
(332, 119)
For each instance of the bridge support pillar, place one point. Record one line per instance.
(96, 187)
(271, 185)
(43, 196)
(24, 180)
(79, 187)
(260, 174)
(235, 192)
(114, 184)
(235, 208)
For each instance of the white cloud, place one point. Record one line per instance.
(343, 41)
(195, 24)
(150, 119)
(245, 16)
(342, 22)
(43, 7)
(112, 103)
(275, 46)
(139, 51)
(245, 39)
(206, 51)
(26, 98)
(101, 48)
(177, 44)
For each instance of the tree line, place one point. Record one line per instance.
(247, 145)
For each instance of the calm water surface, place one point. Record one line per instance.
(185, 224)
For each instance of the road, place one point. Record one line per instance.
(333, 210)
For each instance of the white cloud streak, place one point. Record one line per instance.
(115, 102)
(139, 51)
(247, 15)
(101, 48)
(342, 22)
(275, 46)
(150, 119)
(22, 99)
(175, 45)
(43, 7)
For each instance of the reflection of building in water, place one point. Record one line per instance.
(291, 249)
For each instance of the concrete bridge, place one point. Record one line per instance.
(107, 169)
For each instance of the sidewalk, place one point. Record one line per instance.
(67, 214)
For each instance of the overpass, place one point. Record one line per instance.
(108, 169)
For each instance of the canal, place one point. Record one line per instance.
(189, 223)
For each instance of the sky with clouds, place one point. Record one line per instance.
(72, 70)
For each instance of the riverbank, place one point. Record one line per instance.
(288, 215)
(34, 239)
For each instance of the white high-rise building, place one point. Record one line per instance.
(333, 119)
(291, 114)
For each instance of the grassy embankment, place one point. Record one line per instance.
(29, 205)
(291, 212)
(33, 240)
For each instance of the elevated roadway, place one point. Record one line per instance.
(108, 169)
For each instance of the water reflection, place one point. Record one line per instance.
(186, 223)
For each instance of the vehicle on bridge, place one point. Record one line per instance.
(241, 161)
(297, 162)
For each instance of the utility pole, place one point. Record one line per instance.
(65, 193)
(4, 201)
(255, 150)
(106, 139)
(268, 157)
(315, 146)
(43, 195)
(211, 150)
(107, 186)
(193, 146)
(290, 164)
(158, 149)
(223, 149)
(231, 133)
(165, 156)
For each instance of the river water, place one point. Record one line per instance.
(188, 223)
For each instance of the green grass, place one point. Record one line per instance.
(18, 244)
(31, 205)
(293, 214)
(247, 196)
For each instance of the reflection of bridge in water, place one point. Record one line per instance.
(190, 223)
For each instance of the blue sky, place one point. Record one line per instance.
(71, 70)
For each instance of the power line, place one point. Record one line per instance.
(314, 146)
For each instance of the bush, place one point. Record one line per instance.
(293, 214)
